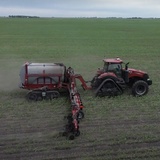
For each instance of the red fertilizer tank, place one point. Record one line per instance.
(37, 75)
(46, 80)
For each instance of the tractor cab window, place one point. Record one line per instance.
(113, 67)
(105, 68)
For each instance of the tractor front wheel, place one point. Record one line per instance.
(140, 88)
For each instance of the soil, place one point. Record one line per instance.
(37, 138)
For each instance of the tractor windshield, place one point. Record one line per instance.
(113, 67)
(105, 68)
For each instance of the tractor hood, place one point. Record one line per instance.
(134, 72)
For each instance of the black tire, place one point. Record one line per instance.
(47, 97)
(80, 115)
(64, 134)
(39, 98)
(71, 136)
(99, 93)
(140, 88)
(32, 96)
(109, 89)
(54, 94)
(77, 133)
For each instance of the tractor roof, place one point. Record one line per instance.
(113, 60)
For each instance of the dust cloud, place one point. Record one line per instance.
(9, 76)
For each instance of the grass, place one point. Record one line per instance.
(124, 127)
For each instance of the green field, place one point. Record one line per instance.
(124, 127)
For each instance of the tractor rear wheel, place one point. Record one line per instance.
(108, 88)
(140, 88)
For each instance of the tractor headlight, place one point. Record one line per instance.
(146, 78)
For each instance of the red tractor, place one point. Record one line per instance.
(113, 79)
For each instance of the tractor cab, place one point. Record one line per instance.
(115, 66)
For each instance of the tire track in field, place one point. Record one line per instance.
(29, 145)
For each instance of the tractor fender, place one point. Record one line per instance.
(109, 77)
(107, 74)
(108, 80)
(97, 81)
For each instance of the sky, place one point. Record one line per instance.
(81, 8)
